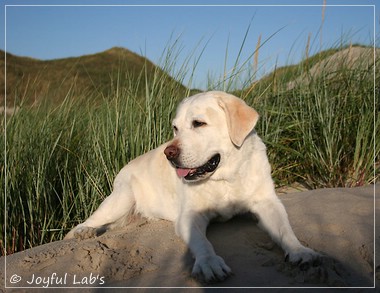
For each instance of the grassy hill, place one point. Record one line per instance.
(31, 80)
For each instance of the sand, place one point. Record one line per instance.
(336, 222)
(355, 59)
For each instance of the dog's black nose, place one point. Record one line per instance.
(171, 152)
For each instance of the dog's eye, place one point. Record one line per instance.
(197, 123)
(175, 129)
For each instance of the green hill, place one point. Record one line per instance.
(31, 80)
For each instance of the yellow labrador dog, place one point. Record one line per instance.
(215, 166)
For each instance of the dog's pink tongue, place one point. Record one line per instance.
(182, 172)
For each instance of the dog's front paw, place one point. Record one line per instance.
(310, 266)
(304, 257)
(81, 233)
(211, 268)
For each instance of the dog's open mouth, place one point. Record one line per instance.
(200, 172)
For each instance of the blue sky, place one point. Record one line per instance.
(50, 32)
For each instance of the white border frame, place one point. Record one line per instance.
(184, 5)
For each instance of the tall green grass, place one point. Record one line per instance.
(324, 131)
(61, 159)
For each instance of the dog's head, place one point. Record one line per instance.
(208, 127)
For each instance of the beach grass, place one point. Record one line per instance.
(60, 160)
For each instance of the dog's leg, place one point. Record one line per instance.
(114, 208)
(208, 266)
(274, 219)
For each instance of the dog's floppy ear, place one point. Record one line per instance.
(241, 119)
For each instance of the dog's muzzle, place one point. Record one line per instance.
(172, 153)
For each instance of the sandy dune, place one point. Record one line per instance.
(337, 222)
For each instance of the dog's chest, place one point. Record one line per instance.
(220, 199)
